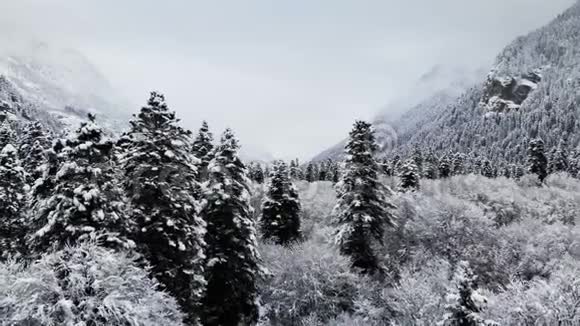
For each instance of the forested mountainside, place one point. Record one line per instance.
(531, 91)
(58, 86)
(396, 124)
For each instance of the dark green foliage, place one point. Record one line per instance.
(409, 177)
(232, 265)
(363, 209)
(280, 221)
(537, 161)
(202, 149)
(160, 183)
(12, 200)
(444, 167)
(310, 174)
(78, 197)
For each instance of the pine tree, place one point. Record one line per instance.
(465, 310)
(395, 165)
(574, 166)
(256, 173)
(309, 176)
(7, 135)
(363, 209)
(458, 164)
(559, 158)
(280, 220)
(335, 171)
(232, 257)
(430, 165)
(417, 157)
(409, 177)
(84, 199)
(322, 171)
(444, 167)
(33, 145)
(12, 195)
(160, 182)
(203, 150)
(537, 162)
(486, 169)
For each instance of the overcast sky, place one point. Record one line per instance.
(289, 77)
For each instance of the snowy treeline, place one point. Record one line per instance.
(519, 241)
(153, 228)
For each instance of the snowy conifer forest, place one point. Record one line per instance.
(467, 215)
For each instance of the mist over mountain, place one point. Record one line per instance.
(61, 82)
(530, 91)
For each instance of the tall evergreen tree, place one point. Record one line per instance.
(256, 173)
(203, 150)
(323, 171)
(160, 182)
(409, 177)
(363, 209)
(310, 174)
(395, 165)
(430, 165)
(417, 157)
(467, 307)
(335, 172)
(487, 169)
(83, 199)
(444, 167)
(537, 161)
(232, 258)
(7, 134)
(280, 220)
(559, 158)
(33, 145)
(12, 195)
(458, 164)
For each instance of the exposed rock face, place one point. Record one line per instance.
(508, 93)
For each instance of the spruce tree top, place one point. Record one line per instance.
(202, 145)
(362, 197)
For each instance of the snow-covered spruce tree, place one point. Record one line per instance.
(559, 158)
(83, 285)
(280, 220)
(335, 172)
(363, 209)
(487, 169)
(232, 267)
(83, 198)
(256, 173)
(444, 167)
(574, 164)
(295, 170)
(417, 157)
(458, 164)
(33, 144)
(323, 171)
(7, 135)
(467, 301)
(12, 201)
(160, 182)
(409, 178)
(537, 161)
(395, 165)
(203, 149)
(310, 175)
(430, 165)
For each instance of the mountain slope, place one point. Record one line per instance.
(61, 82)
(432, 93)
(533, 90)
